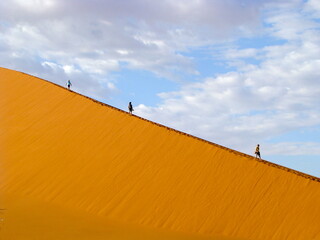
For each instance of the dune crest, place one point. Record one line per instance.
(107, 172)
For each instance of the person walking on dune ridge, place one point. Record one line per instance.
(130, 108)
(257, 152)
(69, 84)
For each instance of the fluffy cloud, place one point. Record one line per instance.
(279, 94)
(294, 148)
(91, 36)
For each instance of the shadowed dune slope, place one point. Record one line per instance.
(73, 168)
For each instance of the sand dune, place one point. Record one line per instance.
(73, 168)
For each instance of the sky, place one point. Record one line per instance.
(234, 72)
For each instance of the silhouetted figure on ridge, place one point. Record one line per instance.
(130, 108)
(257, 152)
(69, 84)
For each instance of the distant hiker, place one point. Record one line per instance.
(257, 152)
(130, 108)
(69, 84)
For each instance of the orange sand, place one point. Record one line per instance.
(73, 168)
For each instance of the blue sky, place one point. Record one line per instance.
(236, 73)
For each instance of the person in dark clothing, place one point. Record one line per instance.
(257, 152)
(130, 108)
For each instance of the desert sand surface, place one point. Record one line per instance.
(74, 168)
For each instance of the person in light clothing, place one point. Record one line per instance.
(69, 84)
(257, 152)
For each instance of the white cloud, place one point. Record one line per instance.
(238, 109)
(70, 69)
(35, 5)
(145, 34)
(97, 66)
(293, 148)
(313, 7)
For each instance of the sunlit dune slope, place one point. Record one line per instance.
(73, 168)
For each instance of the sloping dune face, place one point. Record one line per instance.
(74, 164)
